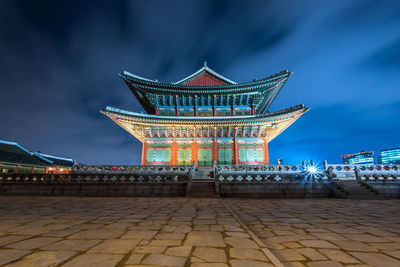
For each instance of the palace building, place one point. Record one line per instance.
(205, 117)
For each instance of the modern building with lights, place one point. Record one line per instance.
(363, 157)
(389, 156)
(205, 117)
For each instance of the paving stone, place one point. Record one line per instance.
(353, 245)
(240, 242)
(182, 251)
(97, 234)
(43, 258)
(30, 231)
(324, 264)
(115, 246)
(385, 246)
(244, 253)
(365, 238)
(207, 239)
(217, 228)
(9, 255)
(329, 236)
(338, 255)
(165, 242)
(238, 234)
(288, 255)
(208, 264)
(230, 228)
(395, 254)
(311, 253)
(210, 254)
(376, 259)
(139, 234)
(317, 244)
(282, 239)
(101, 260)
(195, 260)
(5, 240)
(292, 245)
(150, 249)
(72, 244)
(249, 263)
(164, 260)
(183, 229)
(33, 243)
(135, 259)
(170, 236)
(61, 233)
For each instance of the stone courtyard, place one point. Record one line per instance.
(77, 231)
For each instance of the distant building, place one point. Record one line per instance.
(363, 157)
(16, 159)
(389, 156)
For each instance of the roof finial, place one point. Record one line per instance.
(205, 64)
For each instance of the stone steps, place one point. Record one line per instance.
(203, 184)
(358, 190)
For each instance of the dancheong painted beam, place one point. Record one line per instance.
(205, 117)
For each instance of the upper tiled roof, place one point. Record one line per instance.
(153, 86)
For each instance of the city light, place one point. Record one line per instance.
(312, 169)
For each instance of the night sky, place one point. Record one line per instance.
(59, 65)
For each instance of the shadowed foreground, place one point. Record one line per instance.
(77, 231)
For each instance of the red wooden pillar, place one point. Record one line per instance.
(235, 152)
(266, 154)
(174, 153)
(16, 169)
(215, 151)
(158, 111)
(144, 153)
(194, 153)
(253, 110)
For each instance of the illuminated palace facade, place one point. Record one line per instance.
(205, 117)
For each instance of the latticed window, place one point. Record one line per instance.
(204, 157)
(225, 156)
(251, 155)
(158, 155)
(184, 156)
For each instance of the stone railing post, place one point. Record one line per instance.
(330, 173)
(356, 174)
(189, 182)
(216, 179)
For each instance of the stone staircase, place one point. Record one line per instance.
(203, 183)
(355, 190)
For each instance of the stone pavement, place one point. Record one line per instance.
(75, 231)
(326, 232)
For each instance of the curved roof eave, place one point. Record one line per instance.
(146, 118)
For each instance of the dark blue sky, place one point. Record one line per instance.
(59, 62)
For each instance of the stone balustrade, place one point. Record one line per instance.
(265, 173)
(107, 174)
(363, 172)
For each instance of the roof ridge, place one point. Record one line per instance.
(203, 69)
